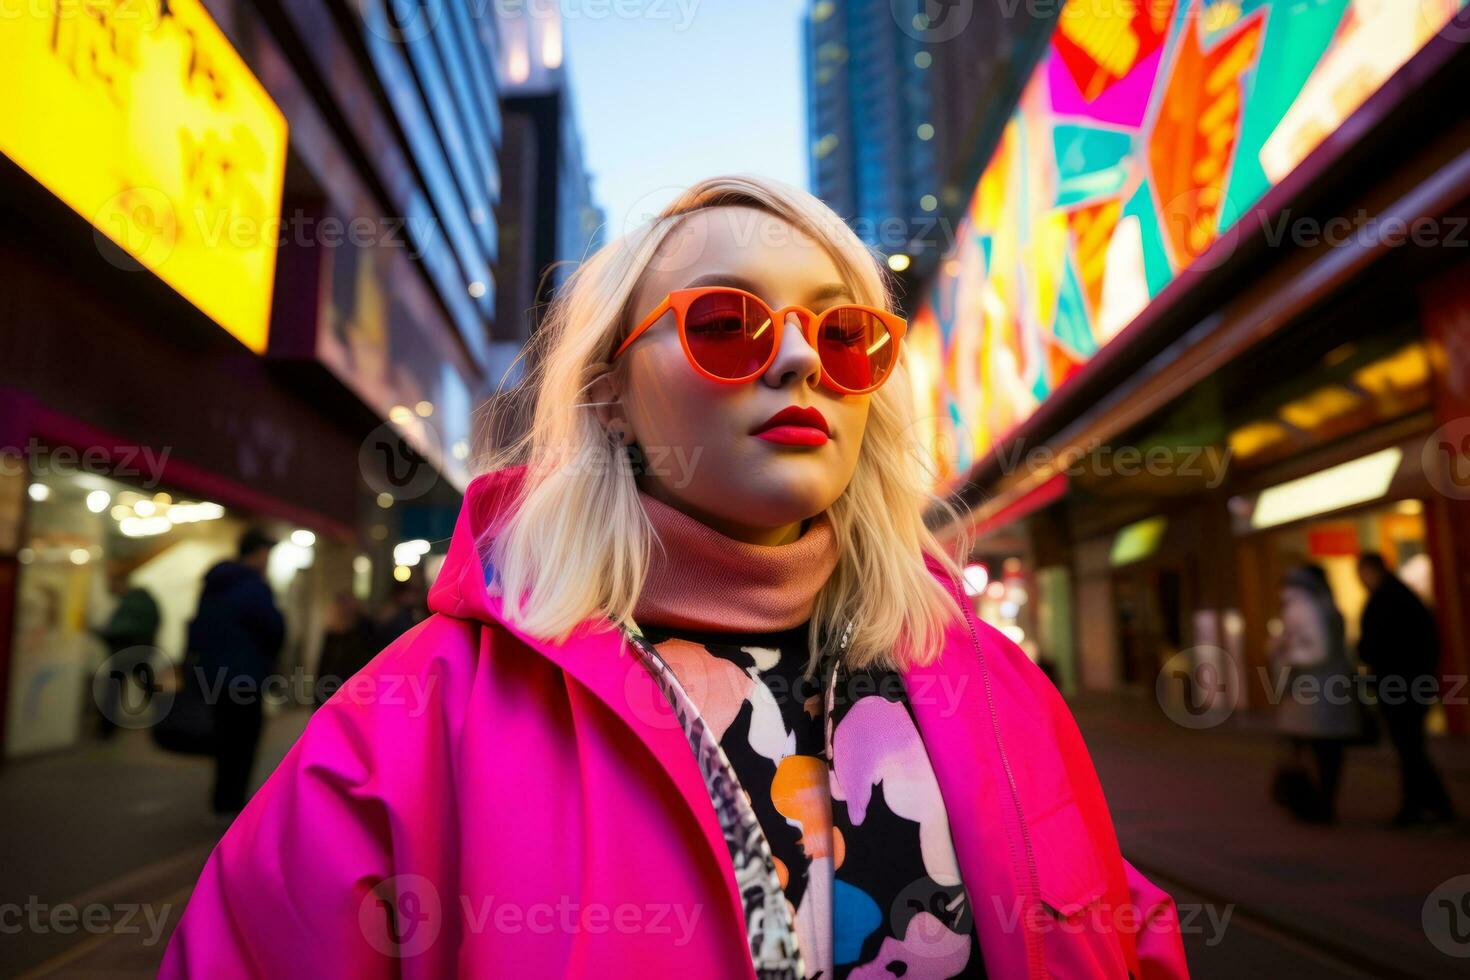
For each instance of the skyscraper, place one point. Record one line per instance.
(869, 105)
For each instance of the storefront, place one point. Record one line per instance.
(253, 317)
(1191, 283)
(88, 538)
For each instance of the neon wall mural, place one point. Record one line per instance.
(1147, 129)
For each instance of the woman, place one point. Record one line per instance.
(1320, 712)
(722, 712)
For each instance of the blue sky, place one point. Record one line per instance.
(684, 90)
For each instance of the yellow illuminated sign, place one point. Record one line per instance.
(143, 119)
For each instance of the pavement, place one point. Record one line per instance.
(101, 847)
(1193, 812)
(103, 844)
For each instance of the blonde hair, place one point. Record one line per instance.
(576, 543)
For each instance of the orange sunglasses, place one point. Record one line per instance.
(732, 336)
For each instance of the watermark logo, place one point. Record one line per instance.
(390, 464)
(683, 246)
(932, 21)
(401, 21)
(401, 916)
(1446, 917)
(935, 922)
(1444, 17)
(1446, 459)
(126, 689)
(137, 229)
(1199, 688)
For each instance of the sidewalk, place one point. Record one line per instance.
(1193, 812)
(121, 826)
(116, 830)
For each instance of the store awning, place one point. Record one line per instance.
(1005, 509)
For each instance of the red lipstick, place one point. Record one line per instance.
(794, 426)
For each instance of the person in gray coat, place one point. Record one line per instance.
(1319, 713)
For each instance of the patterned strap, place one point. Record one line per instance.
(769, 927)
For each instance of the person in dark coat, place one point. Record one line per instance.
(350, 642)
(237, 636)
(130, 634)
(1399, 642)
(1315, 717)
(404, 609)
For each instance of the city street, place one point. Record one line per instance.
(1146, 326)
(1191, 811)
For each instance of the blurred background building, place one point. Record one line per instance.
(277, 303)
(1195, 319)
(870, 108)
(549, 219)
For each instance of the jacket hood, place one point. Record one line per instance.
(461, 588)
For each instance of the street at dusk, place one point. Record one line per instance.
(795, 489)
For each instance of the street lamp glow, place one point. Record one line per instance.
(898, 262)
(143, 527)
(98, 501)
(39, 492)
(303, 538)
(408, 553)
(977, 577)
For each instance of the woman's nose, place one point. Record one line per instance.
(795, 359)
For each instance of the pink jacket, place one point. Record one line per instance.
(479, 802)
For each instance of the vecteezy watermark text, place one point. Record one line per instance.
(142, 464)
(97, 918)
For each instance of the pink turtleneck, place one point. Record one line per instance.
(703, 580)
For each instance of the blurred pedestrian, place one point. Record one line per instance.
(1398, 642)
(1320, 713)
(130, 634)
(237, 636)
(404, 609)
(350, 642)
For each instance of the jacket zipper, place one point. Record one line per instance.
(1033, 952)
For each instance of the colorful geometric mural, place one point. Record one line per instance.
(1148, 129)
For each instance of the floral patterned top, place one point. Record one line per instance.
(845, 860)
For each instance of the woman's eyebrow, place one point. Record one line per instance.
(831, 290)
(824, 292)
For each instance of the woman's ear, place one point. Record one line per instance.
(606, 397)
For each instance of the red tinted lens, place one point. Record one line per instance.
(730, 335)
(856, 349)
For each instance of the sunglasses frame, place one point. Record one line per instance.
(679, 301)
